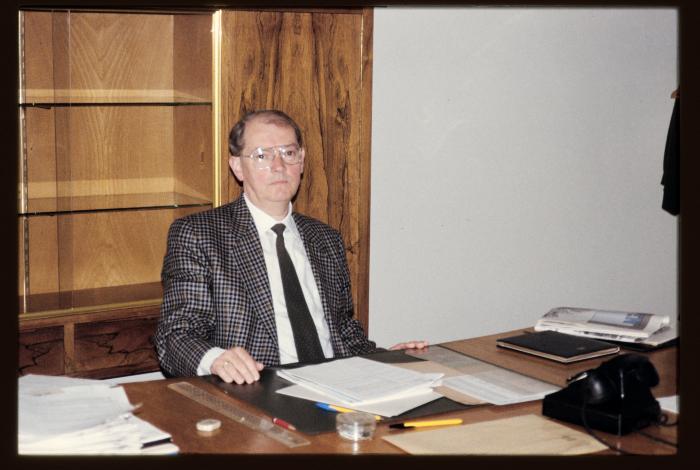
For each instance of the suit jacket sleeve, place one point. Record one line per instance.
(186, 316)
(352, 334)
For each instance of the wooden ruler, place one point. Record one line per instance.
(230, 410)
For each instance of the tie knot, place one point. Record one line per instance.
(278, 229)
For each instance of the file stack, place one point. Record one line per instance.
(362, 384)
(63, 415)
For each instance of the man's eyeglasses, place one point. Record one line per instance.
(264, 156)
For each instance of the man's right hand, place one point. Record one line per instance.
(236, 365)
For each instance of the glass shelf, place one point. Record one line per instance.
(87, 298)
(51, 98)
(114, 202)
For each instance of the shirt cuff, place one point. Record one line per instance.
(210, 356)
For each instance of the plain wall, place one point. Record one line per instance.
(517, 155)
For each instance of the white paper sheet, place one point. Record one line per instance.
(63, 415)
(386, 408)
(357, 379)
(669, 403)
(500, 387)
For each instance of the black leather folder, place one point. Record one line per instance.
(304, 414)
(557, 346)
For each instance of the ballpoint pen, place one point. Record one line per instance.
(339, 409)
(420, 424)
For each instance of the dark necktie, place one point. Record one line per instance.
(305, 334)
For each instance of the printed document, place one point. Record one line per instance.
(64, 415)
(500, 387)
(481, 381)
(356, 379)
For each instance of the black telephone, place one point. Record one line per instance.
(614, 397)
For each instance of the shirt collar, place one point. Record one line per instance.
(264, 222)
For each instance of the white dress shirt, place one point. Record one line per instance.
(295, 248)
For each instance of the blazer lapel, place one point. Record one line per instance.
(318, 257)
(247, 254)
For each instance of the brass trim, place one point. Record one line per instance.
(216, 105)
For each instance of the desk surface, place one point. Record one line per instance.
(178, 415)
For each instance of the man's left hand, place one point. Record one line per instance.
(410, 345)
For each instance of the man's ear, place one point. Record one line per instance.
(235, 164)
(303, 156)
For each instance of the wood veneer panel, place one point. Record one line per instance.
(88, 259)
(116, 248)
(40, 144)
(119, 344)
(116, 150)
(192, 60)
(311, 65)
(41, 351)
(192, 162)
(43, 254)
(37, 54)
(111, 52)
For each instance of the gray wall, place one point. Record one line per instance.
(516, 161)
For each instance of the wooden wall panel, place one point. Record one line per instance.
(312, 65)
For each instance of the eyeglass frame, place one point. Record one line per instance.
(277, 150)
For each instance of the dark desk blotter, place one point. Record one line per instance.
(304, 414)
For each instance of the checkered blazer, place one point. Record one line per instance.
(216, 291)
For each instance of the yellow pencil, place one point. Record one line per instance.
(421, 424)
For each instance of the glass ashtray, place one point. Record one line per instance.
(355, 426)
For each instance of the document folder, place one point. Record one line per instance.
(557, 346)
(304, 414)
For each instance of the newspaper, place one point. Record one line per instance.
(631, 327)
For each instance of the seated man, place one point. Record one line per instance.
(252, 283)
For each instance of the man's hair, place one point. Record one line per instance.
(267, 116)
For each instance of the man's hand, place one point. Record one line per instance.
(410, 345)
(236, 365)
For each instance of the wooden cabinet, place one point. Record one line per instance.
(124, 120)
(116, 130)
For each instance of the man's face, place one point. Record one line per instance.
(272, 188)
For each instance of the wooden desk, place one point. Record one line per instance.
(178, 415)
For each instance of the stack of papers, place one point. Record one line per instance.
(500, 387)
(362, 384)
(63, 415)
(631, 327)
(474, 381)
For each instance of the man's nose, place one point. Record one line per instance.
(277, 162)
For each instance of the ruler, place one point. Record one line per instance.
(230, 410)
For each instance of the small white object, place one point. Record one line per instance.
(355, 426)
(208, 425)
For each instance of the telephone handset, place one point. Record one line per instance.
(612, 379)
(614, 397)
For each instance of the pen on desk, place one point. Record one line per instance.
(339, 409)
(421, 424)
(282, 423)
